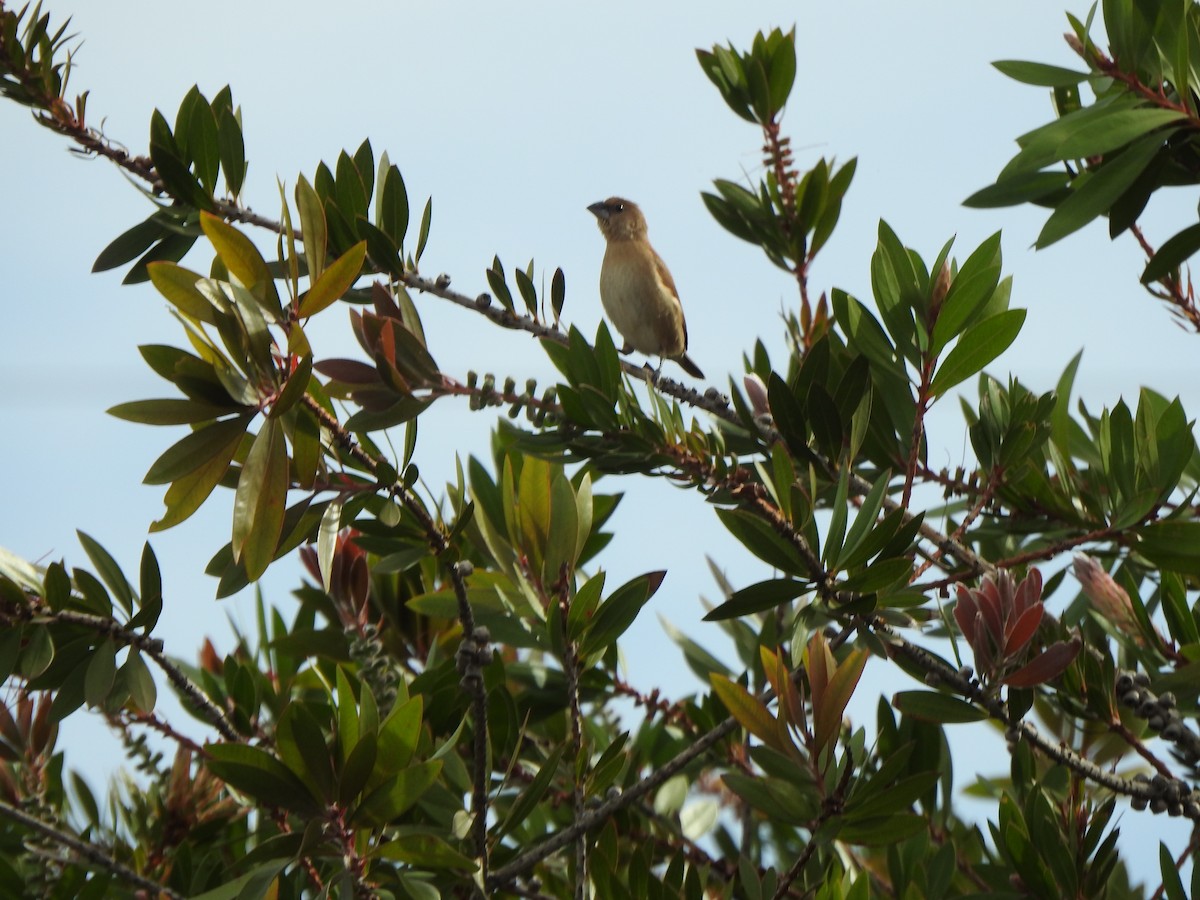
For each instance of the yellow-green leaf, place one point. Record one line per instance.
(747, 709)
(185, 494)
(312, 227)
(334, 281)
(178, 285)
(243, 261)
(258, 507)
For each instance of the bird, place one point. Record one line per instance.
(636, 288)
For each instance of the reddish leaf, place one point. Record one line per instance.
(350, 371)
(1023, 629)
(1029, 592)
(965, 612)
(1050, 663)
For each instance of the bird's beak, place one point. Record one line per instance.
(599, 210)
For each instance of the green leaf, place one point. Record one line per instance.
(1040, 74)
(1172, 254)
(558, 292)
(426, 851)
(195, 452)
(1116, 129)
(131, 244)
(747, 709)
(302, 748)
(255, 883)
(294, 389)
(393, 207)
(531, 794)
(527, 290)
(781, 74)
(495, 278)
(399, 735)
(150, 590)
(1095, 192)
(110, 573)
(978, 346)
(877, 576)
(387, 802)
(259, 775)
(1174, 546)
(178, 285)
(169, 411)
(930, 706)
(101, 672)
(1172, 884)
(334, 281)
(758, 598)
(383, 251)
(618, 612)
(881, 831)
(312, 227)
(423, 235)
(763, 541)
(259, 504)
(142, 690)
(1024, 187)
(232, 148)
(244, 262)
(972, 287)
(864, 522)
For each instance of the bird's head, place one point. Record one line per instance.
(619, 219)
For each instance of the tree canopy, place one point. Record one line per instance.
(440, 708)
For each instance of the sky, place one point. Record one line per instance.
(514, 118)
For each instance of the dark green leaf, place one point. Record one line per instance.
(763, 541)
(108, 570)
(617, 613)
(232, 150)
(129, 245)
(396, 795)
(1039, 74)
(259, 775)
(1172, 254)
(978, 346)
(930, 706)
(101, 671)
(558, 292)
(1095, 192)
(393, 213)
(211, 444)
(169, 411)
(1025, 187)
(758, 598)
(1174, 546)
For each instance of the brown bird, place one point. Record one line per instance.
(637, 291)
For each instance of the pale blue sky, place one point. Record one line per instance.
(515, 118)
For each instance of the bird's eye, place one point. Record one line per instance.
(619, 207)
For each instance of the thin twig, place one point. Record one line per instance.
(91, 852)
(601, 814)
(153, 648)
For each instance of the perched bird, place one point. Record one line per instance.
(637, 291)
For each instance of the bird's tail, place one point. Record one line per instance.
(688, 366)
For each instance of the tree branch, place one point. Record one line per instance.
(93, 853)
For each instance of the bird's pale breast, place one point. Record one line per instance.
(640, 305)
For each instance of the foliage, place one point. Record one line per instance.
(436, 711)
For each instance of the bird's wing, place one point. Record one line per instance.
(664, 275)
